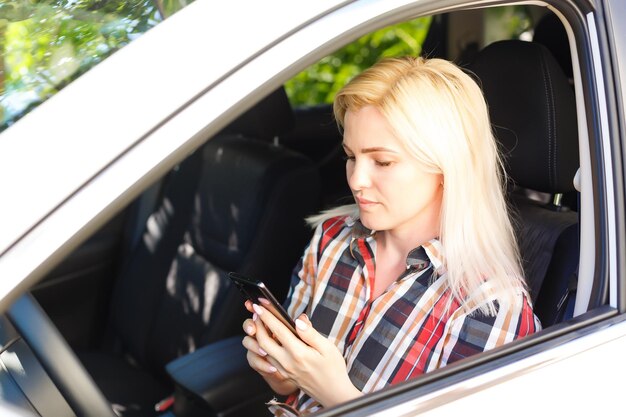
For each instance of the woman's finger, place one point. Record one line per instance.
(264, 337)
(249, 327)
(252, 345)
(274, 325)
(281, 371)
(310, 336)
(257, 358)
(260, 364)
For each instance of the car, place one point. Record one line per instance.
(133, 185)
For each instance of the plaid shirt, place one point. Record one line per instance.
(407, 330)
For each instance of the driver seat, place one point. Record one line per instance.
(533, 112)
(237, 204)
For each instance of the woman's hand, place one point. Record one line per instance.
(257, 359)
(312, 362)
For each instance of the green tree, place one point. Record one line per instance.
(319, 83)
(510, 22)
(44, 45)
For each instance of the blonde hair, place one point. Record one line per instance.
(440, 114)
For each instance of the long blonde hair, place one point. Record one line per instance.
(441, 115)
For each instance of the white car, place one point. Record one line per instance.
(129, 194)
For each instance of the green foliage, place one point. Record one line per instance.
(44, 45)
(319, 83)
(509, 22)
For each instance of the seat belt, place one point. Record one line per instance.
(567, 302)
(565, 307)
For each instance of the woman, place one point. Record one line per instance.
(423, 270)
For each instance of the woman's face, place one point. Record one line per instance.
(389, 185)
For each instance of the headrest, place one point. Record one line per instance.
(551, 33)
(533, 112)
(239, 179)
(270, 117)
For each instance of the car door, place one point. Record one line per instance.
(567, 361)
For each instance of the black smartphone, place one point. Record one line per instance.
(255, 291)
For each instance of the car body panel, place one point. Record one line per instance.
(616, 22)
(615, 14)
(529, 385)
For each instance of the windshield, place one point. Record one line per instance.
(45, 45)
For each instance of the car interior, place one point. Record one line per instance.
(146, 305)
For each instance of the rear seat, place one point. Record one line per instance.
(236, 204)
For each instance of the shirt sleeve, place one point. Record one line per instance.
(303, 278)
(475, 332)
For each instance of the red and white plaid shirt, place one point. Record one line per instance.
(408, 330)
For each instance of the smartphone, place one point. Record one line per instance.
(255, 291)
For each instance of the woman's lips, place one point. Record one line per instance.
(365, 203)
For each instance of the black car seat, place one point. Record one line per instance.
(533, 112)
(551, 33)
(236, 204)
(316, 134)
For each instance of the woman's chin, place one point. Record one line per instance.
(369, 222)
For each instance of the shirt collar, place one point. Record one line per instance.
(417, 259)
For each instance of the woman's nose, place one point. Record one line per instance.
(358, 176)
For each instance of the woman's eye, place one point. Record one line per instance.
(348, 158)
(383, 163)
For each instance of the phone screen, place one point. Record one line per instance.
(256, 291)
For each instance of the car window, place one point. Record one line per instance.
(45, 45)
(462, 36)
(318, 83)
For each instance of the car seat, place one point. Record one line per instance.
(551, 33)
(533, 113)
(236, 204)
(316, 134)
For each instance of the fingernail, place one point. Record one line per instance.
(301, 324)
(262, 352)
(249, 329)
(255, 316)
(264, 301)
(257, 309)
(272, 369)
